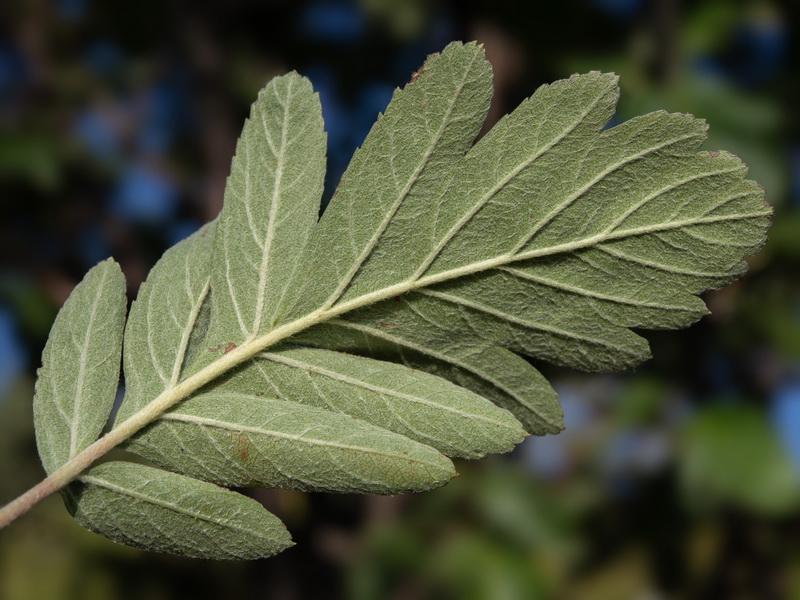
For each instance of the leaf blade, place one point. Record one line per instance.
(422, 407)
(248, 440)
(271, 204)
(150, 509)
(78, 380)
(481, 277)
(490, 371)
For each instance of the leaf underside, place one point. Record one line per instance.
(78, 380)
(357, 352)
(153, 509)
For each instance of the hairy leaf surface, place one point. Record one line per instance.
(79, 376)
(249, 440)
(490, 371)
(428, 409)
(395, 180)
(271, 205)
(156, 510)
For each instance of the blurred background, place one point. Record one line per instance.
(679, 480)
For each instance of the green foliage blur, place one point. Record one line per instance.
(679, 480)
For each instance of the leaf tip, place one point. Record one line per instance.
(108, 263)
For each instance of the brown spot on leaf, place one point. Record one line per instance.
(225, 346)
(242, 446)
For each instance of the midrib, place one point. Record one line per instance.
(504, 259)
(274, 208)
(448, 359)
(123, 491)
(76, 407)
(309, 368)
(250, 348)
(186, 334)
(241, 428)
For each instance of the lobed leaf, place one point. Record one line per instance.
(156, 510)
(428, 409)
(78, 380)
(551, 237)
(249, 440)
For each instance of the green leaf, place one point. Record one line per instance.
(271, 204)
(553, 237)
(79, 376)
(249, 440)
(450, 257)
(428, 409)
(156, 510)
(166, 326)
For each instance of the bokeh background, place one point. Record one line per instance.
(679, 480)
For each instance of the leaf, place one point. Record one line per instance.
(166, 325)
(78, 380)
(428, 409)
(248, 440)
(271, 204)
(551, 238)
(450, 257)
(156, 510)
